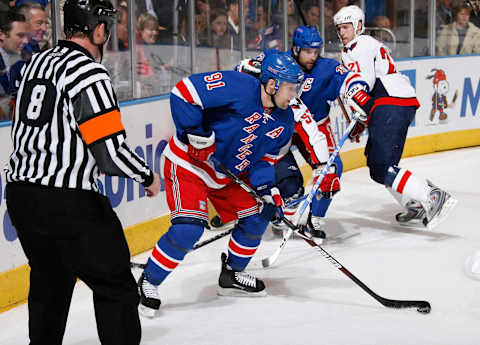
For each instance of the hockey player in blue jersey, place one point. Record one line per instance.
(247, 124)
(325, 80)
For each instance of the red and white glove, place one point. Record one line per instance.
(250, 66)
(360, 102)
(330, 183)
(201, 146)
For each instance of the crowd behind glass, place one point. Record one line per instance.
(151, 47)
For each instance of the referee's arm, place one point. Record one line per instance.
(99, 121)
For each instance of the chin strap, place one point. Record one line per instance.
(101, 45)
(271, 96)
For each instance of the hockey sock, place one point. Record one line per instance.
(170, 250)
(245, 239)
(405, 186)
(320, 206)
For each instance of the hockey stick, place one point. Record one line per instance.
(269, 261)
(422, 306)
(345, 115)
(195, 247)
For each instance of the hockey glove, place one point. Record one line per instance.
(330, 183)
(272, 207)
(201, 144)
(360, 102)
(250, 66)
(356, 131)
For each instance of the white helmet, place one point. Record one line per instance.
(350, 14)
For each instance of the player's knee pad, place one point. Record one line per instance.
(378, 173)
(183, 236)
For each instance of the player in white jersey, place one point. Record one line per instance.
(387, 106)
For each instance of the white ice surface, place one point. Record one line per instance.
(311, 302)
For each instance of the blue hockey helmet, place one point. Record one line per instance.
(280, 67)
(306, 37)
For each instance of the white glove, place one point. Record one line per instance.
(250, 66)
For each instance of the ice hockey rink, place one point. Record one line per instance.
(311, 302)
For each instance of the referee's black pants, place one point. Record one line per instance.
(70, 234)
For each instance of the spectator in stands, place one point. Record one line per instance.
(233, 21)
(13, 37)
(382, 22)
(122, 26)
(218, 37)
(461, 36)
(444, 13)
(19, 3)
(4, 5)
(330, 40)
(163, 11)
(338, 4)
(311, 12)
(36, 20)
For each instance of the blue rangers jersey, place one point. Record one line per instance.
(249, 139)
(323, 84)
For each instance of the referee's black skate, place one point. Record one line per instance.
(149, 298)
(235, 283)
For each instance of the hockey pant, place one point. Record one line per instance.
(387, 132)
(187, 199)
(289, 181)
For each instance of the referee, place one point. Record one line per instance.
(66, 131)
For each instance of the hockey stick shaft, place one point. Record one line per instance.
(195, 247)
(422, 306)
(269, 261)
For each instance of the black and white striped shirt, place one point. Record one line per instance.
(67, 126)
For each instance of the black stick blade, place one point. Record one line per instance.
(422, 306)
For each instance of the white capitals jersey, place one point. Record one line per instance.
(372, 59)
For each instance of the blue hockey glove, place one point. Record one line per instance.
(272, 208)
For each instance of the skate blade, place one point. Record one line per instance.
(231, 292)
(148, 312)
(443, 214)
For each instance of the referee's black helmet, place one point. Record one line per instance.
(85, 15)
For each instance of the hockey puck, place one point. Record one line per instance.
(424, 308)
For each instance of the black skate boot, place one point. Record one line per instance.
(235, 283)
(316, 226)
(217, 224)
(149, 298)
(414, 214)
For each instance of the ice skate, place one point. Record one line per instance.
(235, 283)
(217, 224)
(149, 298)
(438, 206)
(413, 215)
(316, 227)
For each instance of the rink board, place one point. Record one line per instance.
(149, 126)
